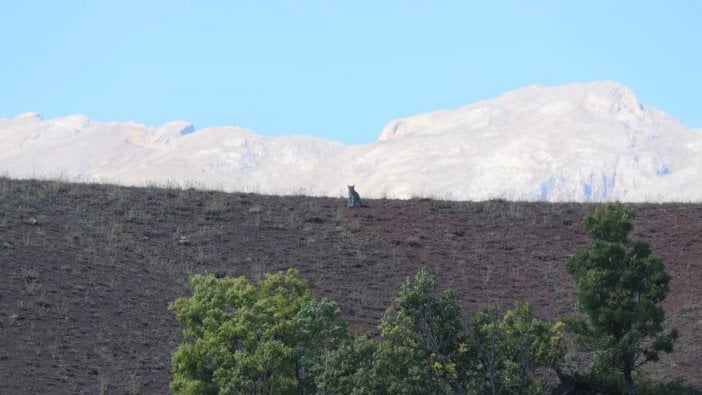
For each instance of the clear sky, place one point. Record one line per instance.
(335, 69)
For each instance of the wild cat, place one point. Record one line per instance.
(354, 198)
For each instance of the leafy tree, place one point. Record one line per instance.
(427, 325)
(620, 287)
(247, 339)
(276, 338)
(351, 368)
(424, 349)
(509, 351)
(417, 353)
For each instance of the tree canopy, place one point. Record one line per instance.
(276, 338)
(248, 339)
(620, 288)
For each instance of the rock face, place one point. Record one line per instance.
(576, 142)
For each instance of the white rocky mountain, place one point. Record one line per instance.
(576, 142)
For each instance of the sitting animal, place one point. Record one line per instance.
(354, 198)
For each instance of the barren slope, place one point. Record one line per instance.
(88, 270)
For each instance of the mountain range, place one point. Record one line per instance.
(575, 142)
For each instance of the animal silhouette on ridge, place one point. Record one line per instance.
(354, 198)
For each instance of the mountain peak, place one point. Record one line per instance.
(612, 97)
(29, 116)
(77, 122)
(179, 127)
(576, 142)
(576, 91)
(576, 101)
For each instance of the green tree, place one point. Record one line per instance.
(620, 287)
(248, 339)
(425, 349)
(351, 368)
(417, 353)
(508, 351)
(429, 325)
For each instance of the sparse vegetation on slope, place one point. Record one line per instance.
(88, 270)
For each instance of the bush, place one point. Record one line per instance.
(243, 338)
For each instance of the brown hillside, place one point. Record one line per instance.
(88, 270)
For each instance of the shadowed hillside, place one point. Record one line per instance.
(88, 270)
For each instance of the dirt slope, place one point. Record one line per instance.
(87, 271)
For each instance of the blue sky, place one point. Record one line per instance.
(333, 69)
